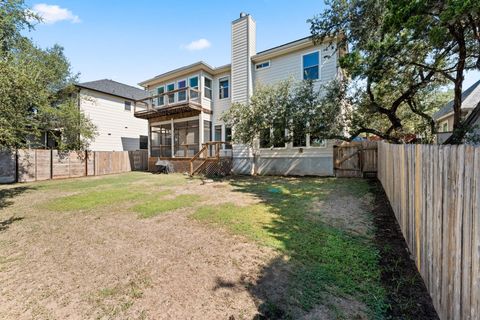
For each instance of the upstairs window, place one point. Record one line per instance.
(193, 84)
(262, 65)
(228, 137)
(182, 95)
(171, 97)
(208, 88)
(128, 106)
(311, 66)
(223, 88)
(160, 98)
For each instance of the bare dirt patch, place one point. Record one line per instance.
(345, 212)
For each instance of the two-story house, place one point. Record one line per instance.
(110, 105)
(185, 105)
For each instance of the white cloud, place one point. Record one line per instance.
(199, 44)
(51, 14)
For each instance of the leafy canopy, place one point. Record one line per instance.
(396, 54)
(36, 87)
(297, 107)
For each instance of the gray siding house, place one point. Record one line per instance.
(444, 117)
(110, 106)
(185, 105)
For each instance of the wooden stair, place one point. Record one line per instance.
(203, 155)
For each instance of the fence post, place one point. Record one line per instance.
(16, 165)
(51, 164)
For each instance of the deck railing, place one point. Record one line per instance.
(181, 96)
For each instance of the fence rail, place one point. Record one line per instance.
(27, 165)
(435, 194)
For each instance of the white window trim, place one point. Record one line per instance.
(211, 89)
(260, 63)
(229, 89)
(319, 64)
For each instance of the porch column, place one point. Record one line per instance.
(201, 138)
(149, 139)
(172, 138)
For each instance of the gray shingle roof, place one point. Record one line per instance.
(115, 88)
(470, 98)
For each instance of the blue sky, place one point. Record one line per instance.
(131, 41)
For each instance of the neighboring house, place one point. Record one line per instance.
(110, 106)
(444, 117)
(185, 105)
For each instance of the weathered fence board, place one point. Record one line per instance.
(39, 164)
(7, 167)
(355, 159)
(435, 195)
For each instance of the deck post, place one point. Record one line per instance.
(172, 138)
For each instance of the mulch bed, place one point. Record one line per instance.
(408, 297)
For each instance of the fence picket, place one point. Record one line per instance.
(435, 194)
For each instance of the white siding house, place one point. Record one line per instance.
(110, 106)
(179, 128)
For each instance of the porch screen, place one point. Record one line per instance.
(186, 138)
(161, 141)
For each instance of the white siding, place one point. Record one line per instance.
(220, 105)
(243, 48)
(118, 130)
(290, 66)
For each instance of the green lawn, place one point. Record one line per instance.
(321, 259)
(325, 260)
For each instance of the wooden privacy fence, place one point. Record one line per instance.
(27, 165)
(435, 194)
(355, 159)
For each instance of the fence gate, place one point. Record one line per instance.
(355, 159)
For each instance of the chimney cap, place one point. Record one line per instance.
(243, 14)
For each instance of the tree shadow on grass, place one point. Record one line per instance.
(318, 264)
(7, 196)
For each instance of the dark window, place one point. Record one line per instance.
(265, 138)
(228, 137)
(171, 97)
(299, 135)
(311, 64)
(161, 97)
(223, 88)
(143, 142)
(263, 65)
(128, 106)
(182, 95)
(316, 141)
(273, 137)
(208, 88)
(193, 83)
(218, 133)
(207, 131)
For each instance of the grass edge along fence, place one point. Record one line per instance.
(434, 191)
(26, 165)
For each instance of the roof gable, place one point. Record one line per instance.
(470, 98)
(114, 88)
